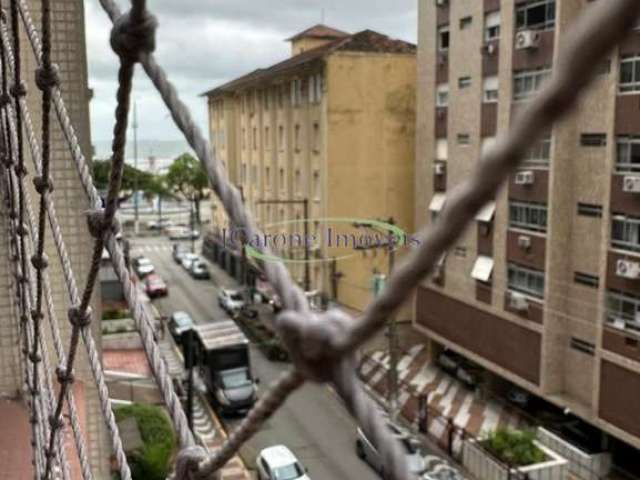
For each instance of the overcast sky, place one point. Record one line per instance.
(203, 43)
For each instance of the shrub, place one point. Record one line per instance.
(514, 447)
(115, 314)
(152, 462)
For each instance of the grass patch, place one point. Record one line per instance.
(153, 461)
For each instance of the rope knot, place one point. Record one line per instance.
(47, 78)
(5, 99)
(34, 357)
(21, 170)
(21, 230)
(36, 315)
(18, 90)
(63, 375)
(56, 422)
(43, 185)
(78, 318)
(7, 160)
(40, 262)
(98, 225)
(134, 36)
(187, 463)
(312, 341)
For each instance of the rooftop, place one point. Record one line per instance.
(319, 31)
(367, 41)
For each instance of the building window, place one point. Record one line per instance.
(593, 139)
(316, 137)
(298, 182)
(465, 22)
(255, 138)
(630, 74)
(582, 346)
(628, 154)
(281, 137)
(538, 14)
(267, 94)
(296, 92)
(464, 82)
(315, 88)
(316, 185)
(589, 210)
(442, 95)
(267, 177)
(528, 216)
(244, 138)
(312, 89)
(527, 82)
(625, 232)
(281, 178)
(623, 310)
(443, 38)
(296, 138)
(267, 144)
(243, 174)
(525, 280)
(540, 154)
(586, 279)
(281, 96)
(492, 26)
(442, 149)
(490, 89)
(464, 139)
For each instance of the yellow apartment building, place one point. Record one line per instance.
(330, 129)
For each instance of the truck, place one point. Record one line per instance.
(222, 352)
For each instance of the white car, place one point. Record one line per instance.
(230, 300)
(143, 266)
(279, 463)
(188, 259)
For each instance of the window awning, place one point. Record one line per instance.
(483, 268)
(437, 202)
(486, 213)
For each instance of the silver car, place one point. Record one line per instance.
(368, 452)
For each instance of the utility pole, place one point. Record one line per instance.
(136, 226)
(392, 334)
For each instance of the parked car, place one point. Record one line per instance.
(199, 270)
(519, 397)
(469, 374)
(143, 266)
(178, 252)
(448, 361)
(182, 233)
(160, 224)
(179, 323)
(155, 287)
(231, 300)
(367, 451)
(188, 259)
(279, 463)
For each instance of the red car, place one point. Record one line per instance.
(155, 287)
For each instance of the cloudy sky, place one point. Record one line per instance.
(203, 43)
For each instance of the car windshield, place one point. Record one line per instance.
(182, 320)
(236, 296)
(200, 266)
(410, 445)
(236, 379)
(144, 262)
(289, 472)
(156, 282)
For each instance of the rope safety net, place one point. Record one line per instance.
(322, 345)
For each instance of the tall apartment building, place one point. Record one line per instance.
(332, 125)
(69, 52)
(544, 289)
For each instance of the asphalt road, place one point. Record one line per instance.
(313, 423)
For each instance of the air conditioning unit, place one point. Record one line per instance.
(439, 168)
(524, 242)
(518, 302)
(631, 184)
(524, 178)
(527, 39)
(628, 269)
(489, 48)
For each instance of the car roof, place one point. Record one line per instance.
(278, 456)
(182, 314)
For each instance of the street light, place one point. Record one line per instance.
(392, 331)
(305, 204)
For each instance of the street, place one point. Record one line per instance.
(313, 423)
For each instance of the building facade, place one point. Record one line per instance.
(69, 53)
(542, 291)
(333, 127)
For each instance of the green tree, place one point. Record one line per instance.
(187, 177)
(158, 186)
(102, 169)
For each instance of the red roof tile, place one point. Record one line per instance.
(319, 31)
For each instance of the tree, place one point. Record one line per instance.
(187, 176)
(158, 186)
(102, 170)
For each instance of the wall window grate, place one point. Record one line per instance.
(593, 139)
(590, 210)
(527, 82)
(525, 280)
(625, 232)
(463, 139)
(583, 346)
(528, 216)
(628, 153)
(465, 22)
(536, 14)
(586, 279)
(464, 82)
